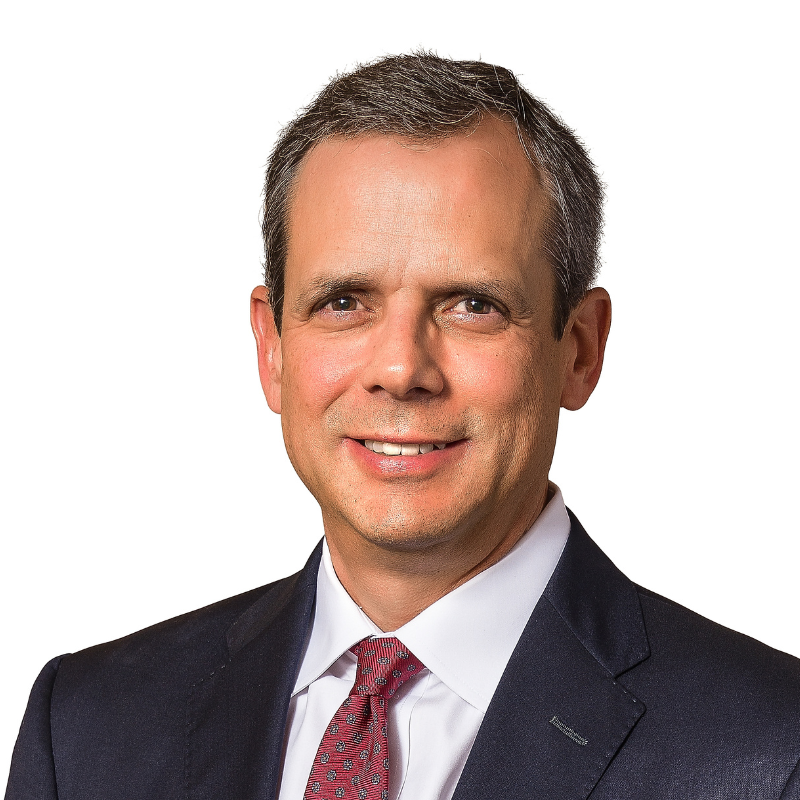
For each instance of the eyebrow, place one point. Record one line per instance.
(317, 289)
(506, 292)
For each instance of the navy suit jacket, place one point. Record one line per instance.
(612, 692)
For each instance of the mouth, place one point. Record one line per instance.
(402, 448)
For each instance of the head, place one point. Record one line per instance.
(427, 99)
(428, 306)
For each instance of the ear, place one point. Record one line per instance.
(584, 343)
(268, 346)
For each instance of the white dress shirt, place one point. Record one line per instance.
(464, 639)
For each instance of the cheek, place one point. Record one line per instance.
(510, 394)
(315, 374)
(500, 382)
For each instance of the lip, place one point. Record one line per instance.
(381, 465)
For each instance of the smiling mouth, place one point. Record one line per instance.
(404, 449)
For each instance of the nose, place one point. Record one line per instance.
(402, 358)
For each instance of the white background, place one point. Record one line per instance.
(142, 474)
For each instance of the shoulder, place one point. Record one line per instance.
(127, 702)
(154, 666)
(724, 705)
(693, 647)
(151, 667)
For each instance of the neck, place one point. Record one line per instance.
(392, 586)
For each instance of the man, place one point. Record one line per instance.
(431, 236)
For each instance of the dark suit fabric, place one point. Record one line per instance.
(612, 692)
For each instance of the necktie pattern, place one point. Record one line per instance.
(352, 762)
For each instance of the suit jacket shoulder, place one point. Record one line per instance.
(112, 721)
(723, 710)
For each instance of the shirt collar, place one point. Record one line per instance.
(466, 637)
(338, 624)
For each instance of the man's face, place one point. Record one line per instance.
(418, 314)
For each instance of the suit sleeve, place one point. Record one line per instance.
(33, 775)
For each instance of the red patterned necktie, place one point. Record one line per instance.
(353, 759)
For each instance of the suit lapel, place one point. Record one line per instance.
(237, 715)
(559, 715)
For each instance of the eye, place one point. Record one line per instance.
(474, 305)
(344, 303)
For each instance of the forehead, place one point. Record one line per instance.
(472, 199)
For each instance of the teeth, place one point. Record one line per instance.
(393, 449)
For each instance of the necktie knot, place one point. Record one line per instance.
(384, 665)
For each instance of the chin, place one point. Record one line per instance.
(407, 529)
